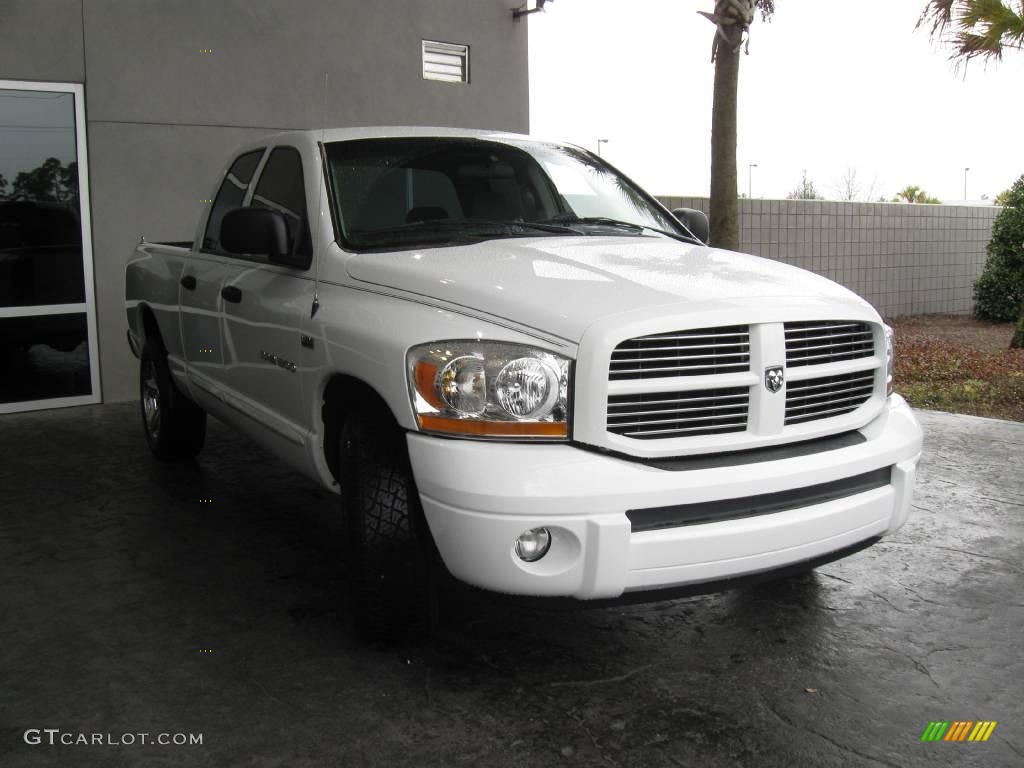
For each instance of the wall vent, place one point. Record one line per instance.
(447, 62)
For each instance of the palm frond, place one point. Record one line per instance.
(983, 28)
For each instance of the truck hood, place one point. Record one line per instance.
(562, 285)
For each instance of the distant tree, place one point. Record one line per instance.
(849, 187)
(3, 187)
(1001, 198)
(980, 28)
(914, 194)
(51, 182)
(732, 19)
(805, 190)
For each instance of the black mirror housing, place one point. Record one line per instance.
(695, 221)
(258, 232)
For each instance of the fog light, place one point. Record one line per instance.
(533, 544)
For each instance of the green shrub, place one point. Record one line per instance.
(999, 291)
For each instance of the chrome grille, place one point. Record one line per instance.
(679, 414)
(702, 352)
(819, 342)
(829, 396)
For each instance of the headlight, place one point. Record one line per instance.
(890, 359)
(489, 389)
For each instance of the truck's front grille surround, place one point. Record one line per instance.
(828, 396)
(659, 415)
(819, 342)
(700, 352)
(705, 384)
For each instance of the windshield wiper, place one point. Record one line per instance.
(447, 225)
(603, 221)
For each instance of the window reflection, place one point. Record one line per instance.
(44, 356)
(40, 222)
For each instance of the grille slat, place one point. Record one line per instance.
(644, 357)
(828, 396)
(701, 412)
(857, 335)
(655, 400)
(737, 427)
(624, 414)
(858, 390)
(819, 342)
(677, 358)
(690, 336)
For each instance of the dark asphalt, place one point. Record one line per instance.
(115, 576)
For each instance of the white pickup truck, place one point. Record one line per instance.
(509, 359)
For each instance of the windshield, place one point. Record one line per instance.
(412, 192)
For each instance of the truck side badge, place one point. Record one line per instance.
(773, 378)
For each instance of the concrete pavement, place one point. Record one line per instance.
(129, 604)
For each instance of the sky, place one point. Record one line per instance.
(824, 89)
(36, 125)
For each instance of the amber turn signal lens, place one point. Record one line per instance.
(494, 428)
(426, 375)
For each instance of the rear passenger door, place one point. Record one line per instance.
(263, 308)
(201, 279)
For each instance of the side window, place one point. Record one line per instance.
(281, 188)
(232, 192)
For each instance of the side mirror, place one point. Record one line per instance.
(256, 231)
(695, 221)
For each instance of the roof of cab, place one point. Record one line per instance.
(383, 132)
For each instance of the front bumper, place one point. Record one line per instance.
(478, 497)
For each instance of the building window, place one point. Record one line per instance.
(446, 62)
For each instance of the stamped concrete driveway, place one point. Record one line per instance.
(129, 605)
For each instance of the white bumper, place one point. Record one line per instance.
(478, 497)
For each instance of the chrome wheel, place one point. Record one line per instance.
(151, 399)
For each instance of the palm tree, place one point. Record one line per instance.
(732, 19)
(980, 28)
(914, 194)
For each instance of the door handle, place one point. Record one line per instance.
(188, 282)
(232, 294)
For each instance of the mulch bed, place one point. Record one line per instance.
(959, 364)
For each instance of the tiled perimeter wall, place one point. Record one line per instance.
(904, 259)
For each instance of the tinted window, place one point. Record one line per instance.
(281, 188)
(230, 196)
(418, 191)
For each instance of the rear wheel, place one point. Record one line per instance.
(395, 566)
(175, 426)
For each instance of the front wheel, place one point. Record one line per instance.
(175, 426)
(394, 563)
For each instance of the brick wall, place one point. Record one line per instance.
(904, 259)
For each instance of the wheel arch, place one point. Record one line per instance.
(340, 395)
(149, 326)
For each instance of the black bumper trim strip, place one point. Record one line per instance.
(657, 518)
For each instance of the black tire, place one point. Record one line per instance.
(175, 426)
(394, 565)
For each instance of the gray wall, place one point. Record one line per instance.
(904, 259)
(162, 117)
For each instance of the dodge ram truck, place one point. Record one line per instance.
(515, 366)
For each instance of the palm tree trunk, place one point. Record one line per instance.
(724, 219)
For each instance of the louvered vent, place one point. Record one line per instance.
(820, 341)
(702, 352)
(679, 414)
(828, 396)
(446, 62)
